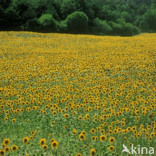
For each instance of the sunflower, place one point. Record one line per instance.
(65, 126)
(52, 122)
(82, 137)
(103, 138)
(80, 117)
(74, 113)
(34, 132)
(111, 148)
(83, 132)
(2, 152)
(6, 118)
(26, 140)
(125, 138)
(123, 123)
(74, 131)
(52, 140)
(110, 131)
(110, 127)
(95, 119)
(66, 116)
(133, 128)
(42, 141)
(14, 120)
(14, 147)
(87, 116)
(102, 131)
(115, 131)
(93, 152)
(31, 137)
(7, 149)
(154, 129)
(6, 141)
(54, 112)
(78, 154)
(54, 144)
(93, 130)
(93, 138)
(45, 147)
(111, 140)
(129, 128)
(153, 134)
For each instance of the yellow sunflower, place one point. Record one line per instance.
(82, 137)
(93, 152)
(103, 138)
(111, 148)
(54, 144)
(2, 152)
(111, 140)
(6, 141)
(42, 141)
(45, 147)
(26, 140)
(14, 148)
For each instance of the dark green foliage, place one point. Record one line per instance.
(149, 21)
(126, 16)
(115, 17)
(124, 29)
(101, 26)
(107, 13)
(129, 29)
(33, 24)
(47, 22)
(77, 22)
(63, 26)
(67, 7)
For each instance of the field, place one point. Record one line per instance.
(76, 95)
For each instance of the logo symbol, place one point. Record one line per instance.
(125, 149)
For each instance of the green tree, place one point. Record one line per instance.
(47, 22)
(77, 22)
(126, 16)
(101, 26)
(67, 7)
(149, 21)
(124, 29)
(108, 14)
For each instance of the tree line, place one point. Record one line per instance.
(105, 17)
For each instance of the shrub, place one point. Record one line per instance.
(77, 22)
(124, 29)
(116, 28)
(101, 26)
(47, 21)
(32, 24)
(129, 29)
(63, 26)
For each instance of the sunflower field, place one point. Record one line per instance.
(76, 95)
